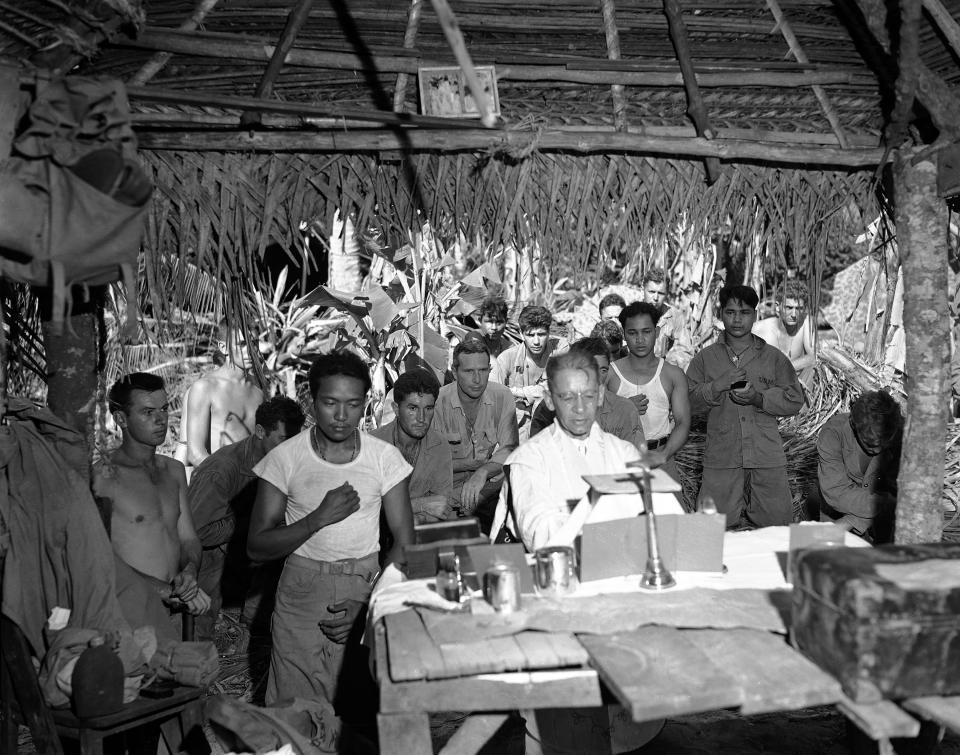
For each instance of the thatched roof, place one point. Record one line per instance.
(602, 146)
(771, 72)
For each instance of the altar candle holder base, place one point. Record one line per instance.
(656, 576)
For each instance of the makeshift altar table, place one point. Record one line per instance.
(716, 641)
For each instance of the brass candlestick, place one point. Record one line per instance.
(656, 576)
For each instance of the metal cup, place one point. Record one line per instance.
(555, 571)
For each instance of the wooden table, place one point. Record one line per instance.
(653, 671)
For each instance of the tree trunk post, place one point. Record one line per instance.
(921, 218)
(72, 361)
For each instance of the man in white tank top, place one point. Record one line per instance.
(658, 388)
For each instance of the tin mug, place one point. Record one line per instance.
(555, 570)
(501, 588)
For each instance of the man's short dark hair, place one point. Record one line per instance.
(344, 363)
(877, 411)
(597, 347)
(637, 308)
(744, 294)
(415, 381)
(119, 394)
(534, 316)
(472, 343)
(610, 332)
(794, 289)
(572, 359)
(279, 409)
(654, 275)
(493, 308)
(611, 300)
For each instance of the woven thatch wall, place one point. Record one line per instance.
(220, 211)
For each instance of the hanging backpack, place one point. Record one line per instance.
(72, 195)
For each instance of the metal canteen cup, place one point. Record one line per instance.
(555, 571)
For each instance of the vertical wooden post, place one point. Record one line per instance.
(73, 358)
(921, 218)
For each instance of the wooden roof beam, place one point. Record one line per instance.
(695, 107)
(479, 139)
(613, 53)
(409, 37)
(244, 48)
(157, 62)
(794, 44)
(295, 21)
(206, 99)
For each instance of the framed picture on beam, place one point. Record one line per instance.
(444, 92)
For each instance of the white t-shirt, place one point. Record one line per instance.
(298, 472)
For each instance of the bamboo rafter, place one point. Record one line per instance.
(695, 107)
(613, 53)
(157, 61)
(794, 44)
(295, 21)
(409, 38)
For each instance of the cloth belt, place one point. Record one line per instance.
(653, 444)
(366, 566)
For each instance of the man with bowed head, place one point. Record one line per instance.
(478, 419)
(412, 432)
(744, 385)
(318, 506)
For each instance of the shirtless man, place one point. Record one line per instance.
(145, 495)
(657, 388)
(791, 331)
(220, 408)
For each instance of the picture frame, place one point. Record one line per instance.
(444, 92)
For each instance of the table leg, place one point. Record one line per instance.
(91, 742)
(532, 736)
(474, 733)
(172, 734)
(404, 733)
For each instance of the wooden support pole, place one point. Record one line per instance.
(613, 53)
(451, 29)
(233, 46)
(695, 107)
(409, 37)
(922, 239)
(295, 21)
(437, 140)
(156, 63)
(794, 44)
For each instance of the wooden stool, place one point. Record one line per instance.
(178, 715)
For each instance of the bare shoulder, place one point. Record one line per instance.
(172, 467)
(673, 374)
(199, 390)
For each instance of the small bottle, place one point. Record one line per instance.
(707, 505)
(449, 577)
